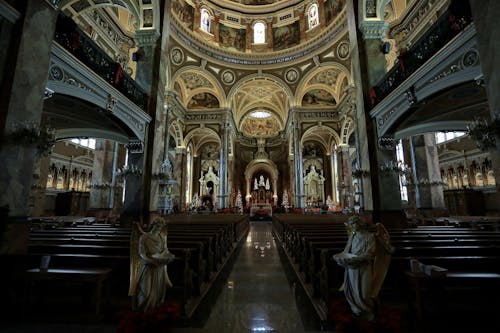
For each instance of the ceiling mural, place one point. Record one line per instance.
(193, 81)
(318, 98)
(210, 151)
(203, 101)
(260, 128)
(286, 36)
(332, 9)
(232, 38)
(184, 12)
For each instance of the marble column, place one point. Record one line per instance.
(102, 175)
(298, 167)
(485, 14)
(327, 173)
(426, 173)
(179, 174)
(381, 191)
(346, 188)
(195, 175)
(223, 167)
(25, 104)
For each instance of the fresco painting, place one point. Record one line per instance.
(260, 128)
(232, 38)
(286, 36)
(184, 12)
(318, 98)
(203, 101)
(332, 9)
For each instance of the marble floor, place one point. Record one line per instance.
(256, 296)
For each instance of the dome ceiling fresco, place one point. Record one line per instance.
(260, 128)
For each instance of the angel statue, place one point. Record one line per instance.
(149, 278)
(366, 259)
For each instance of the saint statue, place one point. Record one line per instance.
(268, 187)
(261, 181)
(255, 184)
(149, 277)
(366, 259)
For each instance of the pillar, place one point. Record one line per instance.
(24, 109)
(485, 14)
(298, 167)
(223, 166)
(380, 191)
(102, 176)
(179, 174)
(426, 173)
(346, 188)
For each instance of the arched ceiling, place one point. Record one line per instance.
(260, 94)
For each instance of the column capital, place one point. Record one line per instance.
(373, 29)
(146, 37)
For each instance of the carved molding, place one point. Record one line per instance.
(373, 29)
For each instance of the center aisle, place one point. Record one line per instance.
(256, 296)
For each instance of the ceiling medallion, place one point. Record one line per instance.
(177, 56)
(228, 76)
(343, 50)
(291, 75)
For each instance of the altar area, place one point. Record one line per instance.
(261, 198)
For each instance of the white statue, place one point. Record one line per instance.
(255, 184)
(314, 184)
(268, 187)
(149, 277)
(329, 203)
(261, 181)
(366, 259)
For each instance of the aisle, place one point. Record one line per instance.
(256, 296)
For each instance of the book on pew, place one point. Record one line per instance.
(44, 263)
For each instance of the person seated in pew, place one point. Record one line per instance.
(366, 259)
(149, 276)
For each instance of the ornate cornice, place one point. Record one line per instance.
(146, 37)
(373, 29)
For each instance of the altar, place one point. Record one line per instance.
(261, 210)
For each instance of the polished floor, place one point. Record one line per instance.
(256, 296)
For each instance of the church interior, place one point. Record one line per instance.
(249, 142)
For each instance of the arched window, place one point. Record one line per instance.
(313, 16)
(259, 33)
(205, 20)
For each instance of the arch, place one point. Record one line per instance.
(304, 84)
(176, 129)
(215, 89)
(346, 130)
(200, 136)
(132, 6)
(324, 135)
(134, 124)
(260, 91)
(68, 133)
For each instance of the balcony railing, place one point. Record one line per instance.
(75, 41)
(451, 23)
